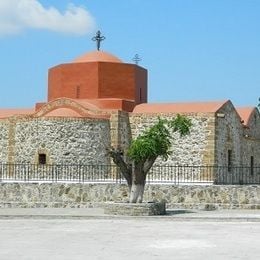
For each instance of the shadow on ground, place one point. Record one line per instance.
(170, 212)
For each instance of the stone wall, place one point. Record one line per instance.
(4, 131)
(251, 140)
(229, 136)
(125, 135)
(84, 141)
(242, 140)
(89, 195)
(197, 148)
(63, 140)
(120, 130)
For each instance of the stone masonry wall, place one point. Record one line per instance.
(64, 141)
(4, 131)
(89, 195)
(120, 129)
(197, 148)
(251, 140)
(229, 136)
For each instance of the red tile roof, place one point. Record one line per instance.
(63, 112)
(189, 107)
(245, 113)
(4, 113)
(96, 56)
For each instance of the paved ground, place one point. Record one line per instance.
(98, 213)
(87, 234)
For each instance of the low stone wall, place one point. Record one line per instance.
(135, 209)
(94, 195)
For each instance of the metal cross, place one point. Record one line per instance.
(136, 59)
(98, 38)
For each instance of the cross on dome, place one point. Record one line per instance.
(136, 59)
(98, 38)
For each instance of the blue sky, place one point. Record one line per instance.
(194, 50)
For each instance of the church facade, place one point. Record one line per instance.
(97, 101)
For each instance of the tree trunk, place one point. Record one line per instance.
(138, 183)
(136, 193)
(135, 175)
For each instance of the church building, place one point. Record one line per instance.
(97, 101)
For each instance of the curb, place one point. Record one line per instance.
(120, 217)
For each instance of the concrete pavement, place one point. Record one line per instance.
(98, 213)
(99, 237)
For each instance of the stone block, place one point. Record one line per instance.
(135, 209)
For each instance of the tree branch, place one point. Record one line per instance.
(149, 163)
(125, 168)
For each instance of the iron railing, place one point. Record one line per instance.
(59, 173)
(186, 174)
(111, 174)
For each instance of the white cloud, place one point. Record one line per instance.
(18, 15)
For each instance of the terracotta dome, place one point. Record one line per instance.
(95, 56)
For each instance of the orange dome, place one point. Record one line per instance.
(95, 56)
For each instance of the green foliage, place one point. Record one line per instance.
(181, 124)
(156, 141)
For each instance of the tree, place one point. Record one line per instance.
(144, 150)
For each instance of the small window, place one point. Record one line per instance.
(252, 165)
(229, 160)
(42, 158)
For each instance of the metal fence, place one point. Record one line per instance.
(204, 174)
(59, 173)
(165, 174)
